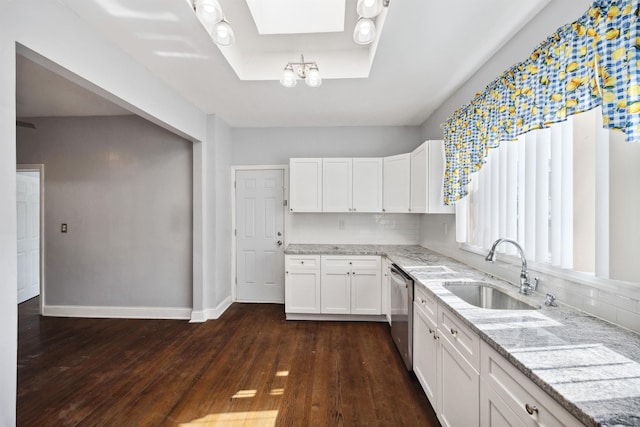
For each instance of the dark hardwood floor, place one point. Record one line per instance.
(249, 368)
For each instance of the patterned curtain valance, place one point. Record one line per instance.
(592, 62)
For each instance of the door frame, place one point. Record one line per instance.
(38, 168)
(286, 215)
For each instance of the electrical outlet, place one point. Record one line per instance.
(63, 228)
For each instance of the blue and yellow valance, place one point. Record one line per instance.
(592, 62)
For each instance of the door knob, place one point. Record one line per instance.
(279, 242)
(279, 233)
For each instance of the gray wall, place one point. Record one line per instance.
(274, 146)
(123, 186)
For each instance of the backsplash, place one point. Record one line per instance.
(354, 228)
(619, 304)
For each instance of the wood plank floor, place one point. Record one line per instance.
(249, 368)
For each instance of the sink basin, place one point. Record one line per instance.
(484, 295)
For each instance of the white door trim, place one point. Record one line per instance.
(287, 215)
(38, 168)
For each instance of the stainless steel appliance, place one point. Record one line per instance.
(402, 313)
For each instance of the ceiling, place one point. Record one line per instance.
(427, 49)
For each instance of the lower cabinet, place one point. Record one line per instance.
(508, 397)
(345, 285)
(350, 285)
(302, 284)
(445, 361)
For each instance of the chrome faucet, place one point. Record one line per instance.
(525, 287)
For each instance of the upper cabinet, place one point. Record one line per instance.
(397, 184)
(305, 185)
(436, 179)
(406, 183)
(427, 174)
(352, 185)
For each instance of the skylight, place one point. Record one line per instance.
(298, 17)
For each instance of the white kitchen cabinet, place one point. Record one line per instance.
(507, 389)
(425, 352)
(305, 185)
(352, 185)
(446, 361)
(397, 184)
(367, 184)
(337, 185)
(436, 179)
(350, 285)
(420, 179)
(385, 298)
(427, 172)
(302, 283)
(458, 387)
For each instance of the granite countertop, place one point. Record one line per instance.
(589, 366)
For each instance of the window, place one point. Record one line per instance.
(568, 194)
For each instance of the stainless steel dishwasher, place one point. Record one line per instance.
(402, 313)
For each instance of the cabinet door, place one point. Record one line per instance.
(425, 353)
(385, 298)
(397, 183)
(436, 179)
(367, 185)
(337, 189)
(335, 286)
(493, 411)
(302, 284)
(365, 290)
(419, 178)
(459, 387)
(305, 185)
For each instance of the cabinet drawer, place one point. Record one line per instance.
(302, 262)
(360, 262)
(426, 302)
(460, 336)
(528, 401)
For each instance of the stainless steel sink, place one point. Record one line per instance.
(484, 295)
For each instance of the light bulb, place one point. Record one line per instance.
(209, 11)
(369, 3)
(365, 31)
(223, 34)
(369, 8)
(313, 77)
(288, 78)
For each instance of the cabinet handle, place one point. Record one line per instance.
(531, 409)
(286, 272)
(384, 210)
(353, 272)
(302, 262)
(423, 302)
(454, 332)
(430, 331)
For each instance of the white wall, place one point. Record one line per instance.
(123, 186)
(354, 228)
(556, 14)
(49, 30)
(274, 146)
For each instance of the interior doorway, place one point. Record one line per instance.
(259, 219)
(29, 209)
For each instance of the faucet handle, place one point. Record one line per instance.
(551, 300)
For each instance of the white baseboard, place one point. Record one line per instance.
(215, 313)
(177, 313)
(198, 317)
(337, 317)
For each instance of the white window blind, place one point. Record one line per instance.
(524, 192)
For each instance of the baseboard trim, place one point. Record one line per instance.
(177, 313)
(337, 317)
(215, 313)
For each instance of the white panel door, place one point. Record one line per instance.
(28, 210)
(259, 230)
(367, 185)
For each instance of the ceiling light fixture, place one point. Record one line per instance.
(211, 16)
(301, 70)
(365, 30)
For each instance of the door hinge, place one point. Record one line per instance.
(284, 203)
(235, 232)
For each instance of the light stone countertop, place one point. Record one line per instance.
(589, 366)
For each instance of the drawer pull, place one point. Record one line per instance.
(531, 409)
(454, 332)
(422, 301)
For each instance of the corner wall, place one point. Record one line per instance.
(123, 186)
